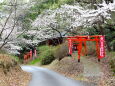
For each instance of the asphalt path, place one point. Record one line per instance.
(46, 77)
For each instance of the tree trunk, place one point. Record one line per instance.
(108, 46)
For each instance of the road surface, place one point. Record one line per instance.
(46, 77)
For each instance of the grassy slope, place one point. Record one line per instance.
(10, 72)
(10, 55)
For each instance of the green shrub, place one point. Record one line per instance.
(61, 51)
(37, 60)
(47, 57)
(43, 48)
(46, 54)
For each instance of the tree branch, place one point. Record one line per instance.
(5, 23)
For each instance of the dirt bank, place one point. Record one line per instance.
(67, 66)
(108, 79)
(89, 69)
(11, 74)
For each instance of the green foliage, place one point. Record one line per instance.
(108, 30)
(37, 60)
(28, 37)
(110, 34)
(70, 1)
(38, 8)
(41, 49)
(45, 55)
(1, 5)
(92, 31)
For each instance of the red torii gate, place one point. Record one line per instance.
(29, 56)
(81, 40)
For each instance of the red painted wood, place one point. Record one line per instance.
(100, 44)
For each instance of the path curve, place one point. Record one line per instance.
(46, 77)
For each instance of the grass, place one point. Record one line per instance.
(37, 60)
(44, 54)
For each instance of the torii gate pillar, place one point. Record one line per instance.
(100, 44)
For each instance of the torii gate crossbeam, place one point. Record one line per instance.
(80, 40)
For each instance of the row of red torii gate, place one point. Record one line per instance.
(29, 55)
(80, 41)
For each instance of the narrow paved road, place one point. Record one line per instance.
(46, 77)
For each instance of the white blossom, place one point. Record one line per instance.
(75, 15)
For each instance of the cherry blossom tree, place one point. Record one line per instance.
(70, 17)
(11, 25)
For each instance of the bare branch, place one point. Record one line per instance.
(5, 23)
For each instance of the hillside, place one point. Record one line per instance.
(88, 70)
(11, 74)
